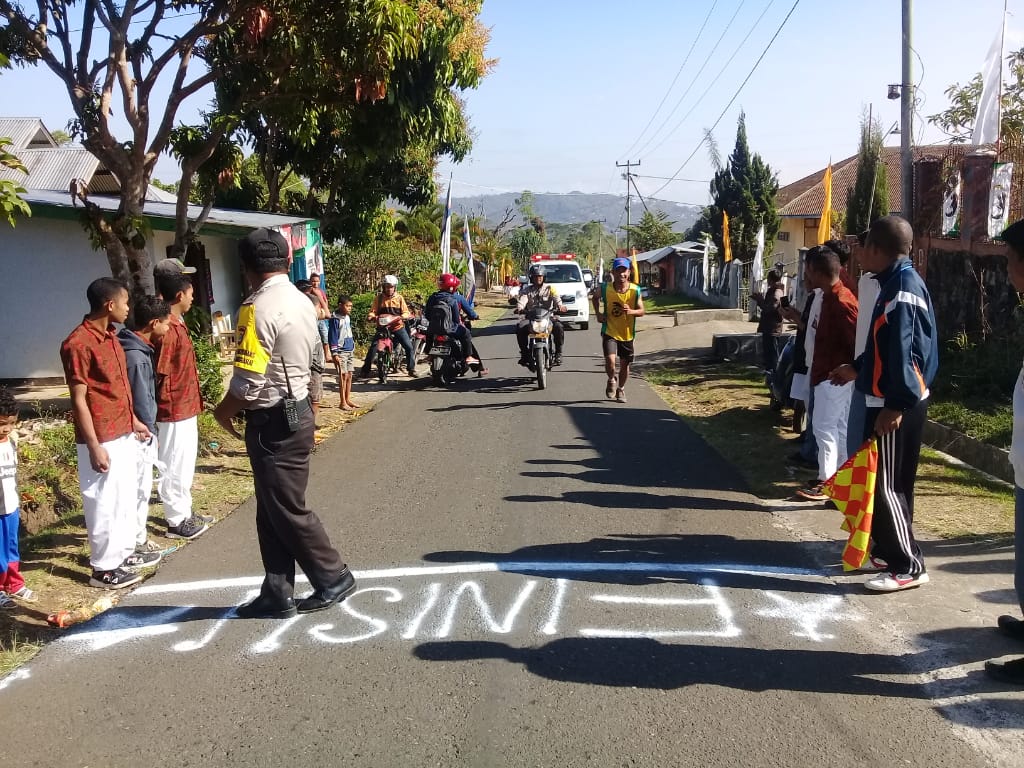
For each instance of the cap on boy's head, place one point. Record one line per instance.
(172, 267)
(621, 261)
(264, 251)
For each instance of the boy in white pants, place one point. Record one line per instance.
(105, 434)
(178, 404)
(833, 346)
(151, 322)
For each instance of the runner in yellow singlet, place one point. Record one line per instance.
(622, 304)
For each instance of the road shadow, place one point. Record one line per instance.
(639, 559)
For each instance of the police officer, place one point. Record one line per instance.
(269, 386)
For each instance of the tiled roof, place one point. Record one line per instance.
(806, 197)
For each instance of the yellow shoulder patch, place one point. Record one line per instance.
(249, 353)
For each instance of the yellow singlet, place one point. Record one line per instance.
(617, 324)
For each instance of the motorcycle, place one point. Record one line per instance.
(385, 343)
(540, 343)
(447, 360)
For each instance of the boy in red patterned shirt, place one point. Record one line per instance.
(178, 404)
(105, 434)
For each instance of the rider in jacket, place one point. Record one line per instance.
(448, 293)
(537, 294)
(390, 302)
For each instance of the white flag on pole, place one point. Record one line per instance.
(757, 268)
(470, 279)
(986, 121)
(446, 233)
(707, 265)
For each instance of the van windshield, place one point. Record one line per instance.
(562, 273)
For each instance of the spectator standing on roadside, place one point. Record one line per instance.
(105, 434)
(320, 348)
(803, 353)
(895, 371)
(1013, 671)
(770, 323)
(12, 584)
(270, 385)
(178, 404)
(833, 346)
(342, 347)
(151, 321)
(867, 295)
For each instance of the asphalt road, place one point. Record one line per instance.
(547, 578)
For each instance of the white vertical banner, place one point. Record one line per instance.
(470, 279)
(757, 268)
(446, 233)
(707, 266)
(999, 199)
(986, 120)
(951, 204)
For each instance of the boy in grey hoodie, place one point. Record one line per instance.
(150, 322)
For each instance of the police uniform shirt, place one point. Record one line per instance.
(276, 326)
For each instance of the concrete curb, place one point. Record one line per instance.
(692, 316)
(987, 458)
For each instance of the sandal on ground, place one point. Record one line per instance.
(24, 594)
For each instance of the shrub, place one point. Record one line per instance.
(211, 380)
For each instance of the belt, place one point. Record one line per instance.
(271, 409)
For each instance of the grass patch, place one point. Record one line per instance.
(488, 316)
(727, 405)
(984, 420)
(15, 651)
(672, 302)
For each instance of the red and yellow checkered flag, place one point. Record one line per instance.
(852, 488)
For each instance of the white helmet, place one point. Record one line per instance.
(389, 280)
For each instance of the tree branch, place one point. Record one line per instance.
(178, 94)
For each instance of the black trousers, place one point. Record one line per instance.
(892, 527)
(289, 532)
(557, 330)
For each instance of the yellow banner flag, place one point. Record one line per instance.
(635, 267)
(825, 223)
(852, 488)
(726, 245)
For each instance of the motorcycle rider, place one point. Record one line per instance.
(390, 302)
(537, 294)
(448, 293)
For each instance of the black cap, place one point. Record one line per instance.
(862, 237)
(265, 244)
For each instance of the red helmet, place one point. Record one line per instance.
(447, 281)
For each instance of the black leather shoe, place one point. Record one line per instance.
(1006, 671)
(1011, 626)
(266, 608)
(322, 599)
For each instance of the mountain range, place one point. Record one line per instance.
(576, 208)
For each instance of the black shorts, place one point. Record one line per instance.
(623, 349)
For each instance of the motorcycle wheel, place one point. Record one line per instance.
(436, 371)
(383, 363)
(540, 362)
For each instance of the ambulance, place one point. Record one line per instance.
(562, 271)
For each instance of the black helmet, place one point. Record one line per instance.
(536, 269)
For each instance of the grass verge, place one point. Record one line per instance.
(727, 405)
(672, 302)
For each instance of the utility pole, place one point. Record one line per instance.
(628, 177)
(907, 117)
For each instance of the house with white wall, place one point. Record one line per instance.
(47, 260)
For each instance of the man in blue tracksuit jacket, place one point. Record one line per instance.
(894, 373)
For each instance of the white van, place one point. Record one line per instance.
(562, 271)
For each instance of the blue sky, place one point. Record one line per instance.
(577, 82)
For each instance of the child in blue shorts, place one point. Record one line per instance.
(12, 585)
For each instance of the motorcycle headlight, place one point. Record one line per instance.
(538, 326)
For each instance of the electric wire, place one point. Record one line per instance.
(693, 81)
(734, 97)
(674, 79)
(717, 77)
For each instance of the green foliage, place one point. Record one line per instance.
(745, 188)
(653, 231)
(869, 198)
(523, 243)
(47, 471)
(974, 387)
(957, 120)
(61, 137)
(211, 378)
(11, 203)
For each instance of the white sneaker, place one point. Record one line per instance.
(894, 582)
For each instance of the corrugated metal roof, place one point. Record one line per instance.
(25, 132)
(53, 169)
(221, 220)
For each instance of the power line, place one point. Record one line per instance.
(717, 77)
(663, 178)
(674, 79)
(734, 97)
(693, 81)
